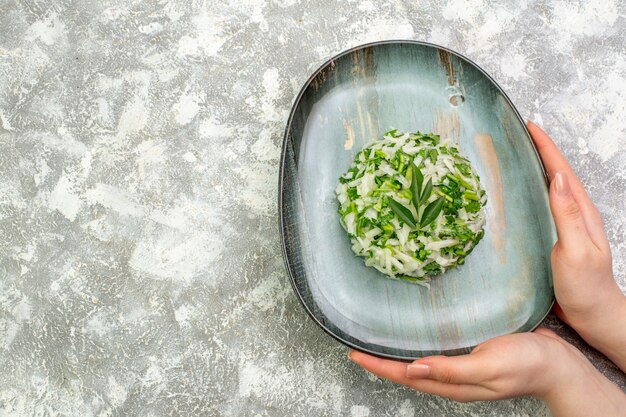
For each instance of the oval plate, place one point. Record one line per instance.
(505, 285)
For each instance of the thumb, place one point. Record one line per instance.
(568, 217)
(465, 369)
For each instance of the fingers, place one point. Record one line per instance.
(567, 214)
(397, 372)
(550, 154)
(555, 162)
(393, 370)
(465, 369)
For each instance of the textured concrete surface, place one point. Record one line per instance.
(140, 265)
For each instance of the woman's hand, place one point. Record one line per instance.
(507, 366)
(588, 297)
(539, 364)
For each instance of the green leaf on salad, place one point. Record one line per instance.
(416, 185)
(428, 189)
(403, 213)
(431, 212)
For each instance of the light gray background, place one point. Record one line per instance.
(140, 262)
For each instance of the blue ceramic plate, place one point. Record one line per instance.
(505, 285)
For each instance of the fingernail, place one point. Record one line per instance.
(562, 185)
(417, 370)
(350, 356)
(530, 122)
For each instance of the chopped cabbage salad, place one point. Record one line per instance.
(412, 205)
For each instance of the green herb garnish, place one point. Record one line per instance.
(428, 189)
(403, 213)
(416, 185)
(431, 212)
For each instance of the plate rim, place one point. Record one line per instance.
(281, 177)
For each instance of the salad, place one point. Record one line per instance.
(412, 205)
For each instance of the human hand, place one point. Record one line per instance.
(538, 364)
(588, 297)
(541, 364)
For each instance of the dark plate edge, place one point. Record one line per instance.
(294, 106)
